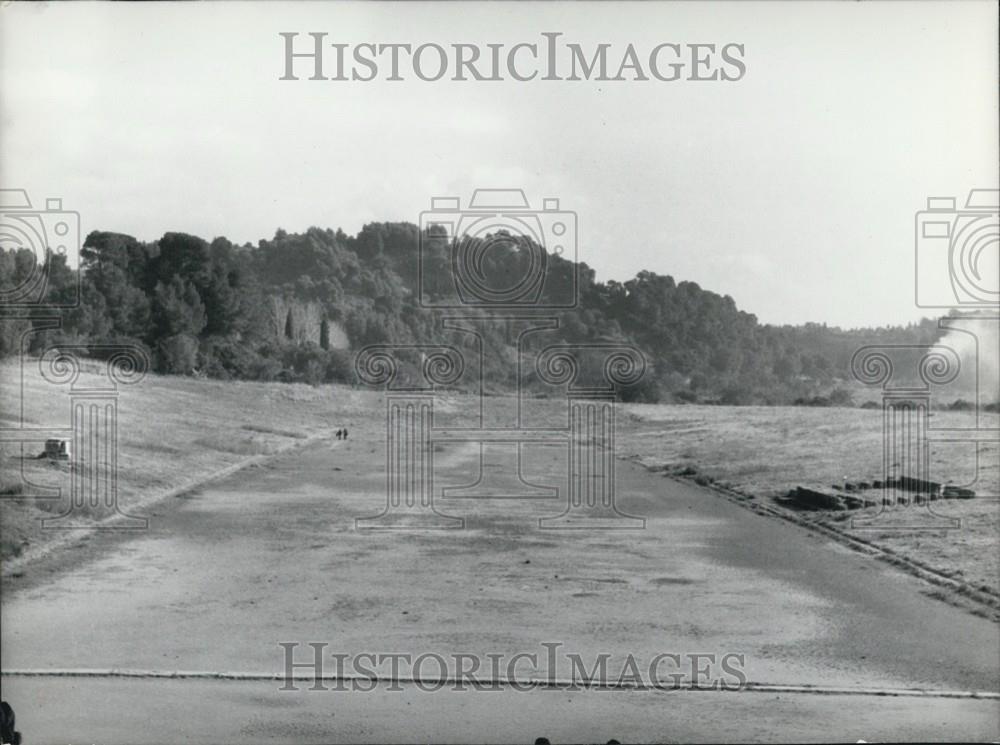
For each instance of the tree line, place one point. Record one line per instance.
(202, 308)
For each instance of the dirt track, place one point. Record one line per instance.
(271, 555)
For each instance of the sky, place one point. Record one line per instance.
(793, 189)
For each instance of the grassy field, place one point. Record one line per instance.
(175, 430)
(172, 430)
(766, 451)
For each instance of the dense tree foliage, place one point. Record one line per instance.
(203, 308)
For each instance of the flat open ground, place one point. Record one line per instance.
(271, 554)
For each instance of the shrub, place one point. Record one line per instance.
(340, 366)
(177, 354)
(813, 401)
(841, 397)
(735, 396)
(646, 391)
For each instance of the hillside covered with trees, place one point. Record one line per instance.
(297, 307)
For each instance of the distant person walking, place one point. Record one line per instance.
(345, 433)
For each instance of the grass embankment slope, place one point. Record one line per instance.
(172, 431)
